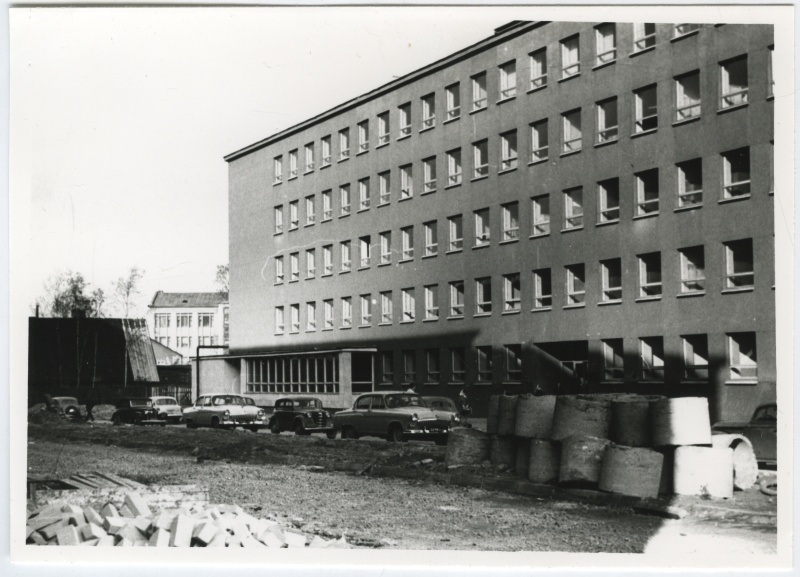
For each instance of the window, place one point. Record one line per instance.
(457, 298)
(453, 97)
(687, 94)
(576, 284)
(294, 217)
(407, 242)
(279, 320)
(432, 302)
(456, 231)
(366, 309)
(483, 296)
(409, 366)
(429, 111)
(364, 244)
(429, 174)
(644, 36)
(542, 289)
(327, 205)
(508, 80)
(573, 208)
(570, 57)
(309, 157)
(739, 264)
(363, 136)
(607, 120)
(344, 144)
(734, 82)
(433, 373)
(572, 131)
(311, 316)
(736, 166)
(458, 365)
(311, 268)
(683, 29)
(513, 354)
(742, 356)
(363, 194)
(479, 91)
(406, 182)
(482, 228)
(384, 187)
(409, 305)
(613, 360)
(387, 367)
(484, 364)
(386, 247)
(608, 200)
(605, 43)
(326, 150)
(383, 128)
(294, 311)
(539, 141)
(294, 266)
(695, 357)
(454, 167)
(539, 69)
(431, 238)
(693, 269)
(611, 272)
(541, 214)
(344, 199)
(508, 150)
(652, 358)
(278, 219)
(327, 259)
(292, 164)
(347, 262)
(347, 312)
(511, 293)
(386, 307)
(690, 183)
(650, 275)
(647, 192)
(311, 210)
(404, 111)
(510, 221)
(480, 155)
(646, 109)
(183, 322)
(205, 322)
(277, 166)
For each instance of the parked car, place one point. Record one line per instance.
(224, 411)
(303, 415)
(135, 410)
(394, 416)
(168, 408)
(67, 407)
(444, 407)
(760, 430)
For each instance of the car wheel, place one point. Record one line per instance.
(395, 434)
(331, 434)
(275, 428)
(215, 423)
(349, 433)
(300, 429)
(190, 424)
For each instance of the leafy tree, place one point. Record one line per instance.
(126, 291)
(66, 294)
(222, 280)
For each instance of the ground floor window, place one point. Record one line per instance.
(293, 374)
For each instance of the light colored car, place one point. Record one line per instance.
(66, 407)
(444, 407)
(168, 408)
(224, 411)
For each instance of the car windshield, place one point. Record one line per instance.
(308, 404)
(441, 404)
(162, 402)
(64, 401)
(140, 403)
(766, 413)
(249, 401)
(406, 400)
(228, 400)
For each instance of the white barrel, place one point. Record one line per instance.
(703, 471)
(491, 416)
(580, 415)
(745, 465)
(507, 415)
(522, 462)
(535, 416)
(466, 447)
(544, 461)
(681, 421)
(503, 451)
(581, 457)
(631, 471)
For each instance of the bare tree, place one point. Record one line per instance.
(126, 291)
(222, 280)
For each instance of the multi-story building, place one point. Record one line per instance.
(182, 321)
(560, 207)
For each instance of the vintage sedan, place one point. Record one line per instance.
(136, 411)
(760, 430)
(168, 408)
(224, 411)
(67, 407)
(393, 415)
(303, 415)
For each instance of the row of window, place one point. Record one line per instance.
(293, 374)
(182, 342)
(182, 320)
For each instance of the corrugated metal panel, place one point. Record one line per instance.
(141, 357)
(188, 300)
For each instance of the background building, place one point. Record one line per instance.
(560, 207)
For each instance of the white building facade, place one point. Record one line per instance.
(184, 321)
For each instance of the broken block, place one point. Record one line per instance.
(71, 509)
(137, 504)
(142, 523)
(68, 535)
(38, 539)
(92, 531)
(88, 543)
(160, 538)
(126, 511)
(38, 523)
(318, 542)
(106, 541)
(295, 539)
(109, 511)
(92, 516)
(114, 525)
(252, 542)
(163, 521)
(50, 531)
(181, 531)
(124, 543)
(219, 540)
(269, 539)
(131, 533)
(205, 532)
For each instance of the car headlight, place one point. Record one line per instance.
(327, 414)
(226, 414)
(261, 414)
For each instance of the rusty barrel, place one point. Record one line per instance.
(535, 416)
(631, 471)
(467, 447)
(581, 459)
(544, 460)
(581, 415)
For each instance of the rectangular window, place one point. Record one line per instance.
(687, 94)
(205, 321)
(613, 360)
(387, 367)
(327, 205)
(456, 232)
(510, 221)
(404, 112)
(479, 91)
(644, 36)
(480, 155)
(453, 96)
(570, 57)
(432, 302)
(384, 187)
(183, 321)
(278, 219)
(483, 296)
(683, 29)
(344, 144)
(277, 168)
(511, 293)
(347, 261)
(736, 173)
(294, 215)
(508, 150)
(605, 43)
(693, 269)
(429, 174)
(539, 68)
(608, 200)
(572, 135)
(652, 358)
(739, 264)
(409, 305)
(293, 164)
(386, 307)
(406, 182)
(541, 214)
(363, 194)
(409, 366)
(363, 136)
(365, 246)
(407, 242)
(647, 192)
(650, 275)
(484, 364)
(542, 289)
(457, 298)
(458, 365)
(344, 199)
(386, 247)
(576, 284)
(482, 227)
(383, 129)
(429, 111)
(311, 268)
(607, 120)
(690, 182)
(326, 150)
(431, 238)
(734, 82)
(513, 354)
(327, 259)
(433, 373)
(366, 309)
(646, 109)
(347, 312)
(309, 150)
(454, 167)
(508, 79)
(742, 356)
(540, 149)
(695, 357)
(294, 266)
(611, 272)
(311, 210)
(279, 320)
(294, 311)
(311, 316)
(573, 208)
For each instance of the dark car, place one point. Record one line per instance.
(67, 407)
(761, 431)
(303, 415)
(137, 411)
